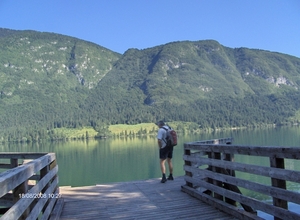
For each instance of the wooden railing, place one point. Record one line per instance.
(28, 186)
(210, 176)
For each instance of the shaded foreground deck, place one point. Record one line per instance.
(147, 199)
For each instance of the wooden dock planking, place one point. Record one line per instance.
(146, 199)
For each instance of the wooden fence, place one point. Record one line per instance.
(210, 176)
(28, 185)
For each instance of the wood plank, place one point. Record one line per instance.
(50, 212)
(17, 210)
(280, 183)
(10, 179)
(147, 199)
(214, 141)
(257, 187)
(264, 151)
(254, 203)
(289, 175)
(234, 211)
(37, 209)
(23, 155)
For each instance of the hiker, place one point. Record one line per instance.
(165, 152)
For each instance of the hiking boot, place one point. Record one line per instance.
(170, 177)
(163, 179)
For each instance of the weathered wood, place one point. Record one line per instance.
(214, 141)
(215, 188)
(56, 211)
(264, 151)
(23, 204)
(147, 199)
(254, 203)
(43, 173)
(217, 170)
(234, 188)
(38, 208)
(10, 179)
(229, 157)
(23, 155)
(188, 163)
(13, 162)
(247, 184)
(222, 170)
(232, 210)
(30, 203)
(289, 175)
(280, 183)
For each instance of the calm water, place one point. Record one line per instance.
(112, 160)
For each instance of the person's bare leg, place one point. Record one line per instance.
(162, 166)
(163, 170)
(169, 160)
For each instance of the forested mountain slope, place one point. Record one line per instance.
(200, 81)
(49, 80)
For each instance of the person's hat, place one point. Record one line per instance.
(160, 123)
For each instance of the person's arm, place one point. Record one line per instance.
(159, 138)
(159, 143)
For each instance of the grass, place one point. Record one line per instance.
(122, 129)
(152, 128)
(119, 128)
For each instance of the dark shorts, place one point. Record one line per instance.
(166, 152)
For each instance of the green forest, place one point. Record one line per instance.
(51, 82)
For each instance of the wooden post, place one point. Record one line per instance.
(209, 180)
(217, 170)
(51, 166)
(43, 173)
(14, 162)
(188, 163)
(19, 190)
(278, 163)
(217, 156)
(229, 157)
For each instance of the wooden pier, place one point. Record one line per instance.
(29, 187)
(210, 188)
(145, 199)
(211, 177)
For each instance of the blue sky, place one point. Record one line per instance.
(118, 25)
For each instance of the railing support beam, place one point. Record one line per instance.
(278, 163)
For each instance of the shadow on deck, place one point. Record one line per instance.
(147, 199)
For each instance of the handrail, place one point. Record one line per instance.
(28, 190)
(210, 176)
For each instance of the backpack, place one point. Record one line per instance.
(171, 138)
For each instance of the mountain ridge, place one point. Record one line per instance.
(51, 80)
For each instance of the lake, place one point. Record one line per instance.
(93, 162)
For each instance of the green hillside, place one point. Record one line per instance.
(50, 81)
(45, 77)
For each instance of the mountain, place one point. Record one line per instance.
(204, 69)
(50, 80)
(182, 80)
(45, 76)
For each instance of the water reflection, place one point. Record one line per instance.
(112, 160)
